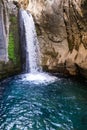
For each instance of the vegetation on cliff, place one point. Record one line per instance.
(11, 48)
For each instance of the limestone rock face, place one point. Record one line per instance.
(4, 30)
(51, 32)
(9, 43)
(62, 33)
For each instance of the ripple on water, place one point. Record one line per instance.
(56, 104)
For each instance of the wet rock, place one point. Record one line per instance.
(63, 31)
(83, 69)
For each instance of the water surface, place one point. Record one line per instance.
(58, 105)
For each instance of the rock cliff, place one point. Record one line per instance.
(9, 43)
(4, 28)
(62, 33)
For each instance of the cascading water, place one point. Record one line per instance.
(30, 51)
(32, 47)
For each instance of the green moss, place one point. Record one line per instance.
(11, 48)
(13, 19)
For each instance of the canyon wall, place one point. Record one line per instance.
(62, 33)
(9, 40)
(4, 28)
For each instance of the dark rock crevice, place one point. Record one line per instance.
(75, 25)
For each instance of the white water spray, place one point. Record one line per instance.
(32, 47)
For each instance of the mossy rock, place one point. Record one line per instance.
(11, 48)
(13, 19)
(14, 44)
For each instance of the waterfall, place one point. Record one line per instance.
(30, 51)
(32, 64)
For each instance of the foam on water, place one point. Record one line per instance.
(39, 78)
